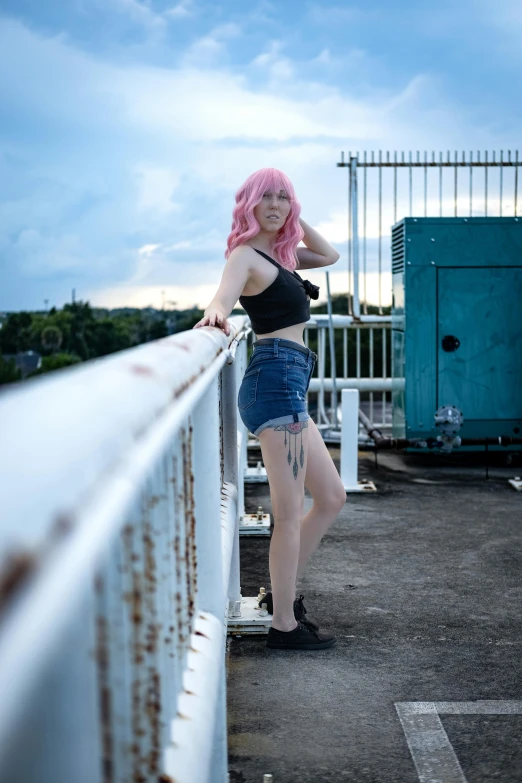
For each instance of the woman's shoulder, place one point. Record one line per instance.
(244, 251)
(245, 255)
(254, 257)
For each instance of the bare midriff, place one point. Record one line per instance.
(294, 333)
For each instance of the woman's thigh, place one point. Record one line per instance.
(322, 479)
(285, 452)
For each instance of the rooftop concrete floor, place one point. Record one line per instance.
(421, 584)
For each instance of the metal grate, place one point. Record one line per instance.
(396, 186)
(398, 248)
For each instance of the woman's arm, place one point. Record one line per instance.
(233, 280)
(318, 252)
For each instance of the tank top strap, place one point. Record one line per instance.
(268, 258)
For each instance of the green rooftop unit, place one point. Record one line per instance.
(457, 326)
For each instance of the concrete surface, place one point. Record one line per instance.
(421, 583)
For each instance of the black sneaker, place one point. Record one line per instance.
(301, 638)
(299, 609)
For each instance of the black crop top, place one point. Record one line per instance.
(285, 302)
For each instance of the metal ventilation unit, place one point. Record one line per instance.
(457, 328)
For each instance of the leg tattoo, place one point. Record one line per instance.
(294, 429)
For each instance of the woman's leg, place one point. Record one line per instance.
(326, 488)
(287, 496)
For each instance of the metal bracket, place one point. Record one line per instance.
(251, 619)
(256, 475)
(362, 486)
(255, 524)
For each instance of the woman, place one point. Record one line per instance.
(262, 256)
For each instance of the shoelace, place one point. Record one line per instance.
(300, 602)
(308, 627)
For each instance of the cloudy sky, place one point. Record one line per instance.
(127, 126)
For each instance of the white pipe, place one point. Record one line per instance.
(355, 236)
(361, 384)
(349, 438)
(322, 320)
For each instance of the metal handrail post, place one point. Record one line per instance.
(355, 236)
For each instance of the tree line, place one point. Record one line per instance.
(78, 332)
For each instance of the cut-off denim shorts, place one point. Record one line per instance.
(273, 390)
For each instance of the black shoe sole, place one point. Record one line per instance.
(293, 646)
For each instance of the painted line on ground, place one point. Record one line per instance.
(430, 748)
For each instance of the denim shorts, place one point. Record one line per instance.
(274, 386)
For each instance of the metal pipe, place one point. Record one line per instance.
(365, 211)
(430, 442)
(333, 368)
(355, 237)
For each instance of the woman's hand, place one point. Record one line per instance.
(214, 318)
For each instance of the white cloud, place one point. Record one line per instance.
(209, 49)
(152, 295)
(186, 297)
(503, 21)
(203, 53)
(226, 30)
(206, 105)
(211, 104)
(335, 228)
(322, 14)
(183, 245)
(139, 12)
(147, 250)
(41, 255)
(156, 186)
(339, 285)
(277, 67)
(129, 135)
(181, 10)
(323, 57)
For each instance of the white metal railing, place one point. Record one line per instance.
(327, 328)
(120, 494)
(122, 487)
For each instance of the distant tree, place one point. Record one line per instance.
(15, 334)
(187, 318)
(108, 335)
(158, 329)
(51, 338)
(9, 373)
(81, 319)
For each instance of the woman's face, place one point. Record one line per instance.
(272, 211)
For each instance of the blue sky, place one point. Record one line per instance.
(127, 126)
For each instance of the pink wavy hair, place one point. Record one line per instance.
(245, 226)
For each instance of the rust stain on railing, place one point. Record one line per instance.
(16, 570)
(190, 522)
(103, 664)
